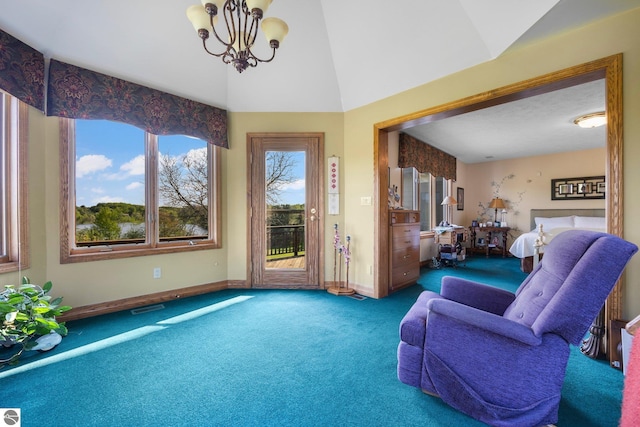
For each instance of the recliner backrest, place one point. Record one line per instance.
(570, 285)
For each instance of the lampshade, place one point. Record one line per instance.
(497, 203)
(258, 4)
(274, 29)
(199, 17)
(449, 201)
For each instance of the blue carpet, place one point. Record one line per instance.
(260, 358)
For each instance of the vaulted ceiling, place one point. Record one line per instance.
(338, 55)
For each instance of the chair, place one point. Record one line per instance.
(501, 357)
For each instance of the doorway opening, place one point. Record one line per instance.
(609, 69)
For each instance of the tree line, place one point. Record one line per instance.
(104, 221)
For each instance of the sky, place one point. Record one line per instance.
(294, 192)
(110, 163)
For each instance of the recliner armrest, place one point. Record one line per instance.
(489, 322)
(475, 294)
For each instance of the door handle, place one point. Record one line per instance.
(313, 214)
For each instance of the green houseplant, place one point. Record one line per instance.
(28, 315)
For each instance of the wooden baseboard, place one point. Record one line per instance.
(237, 284)
(140, 301)
(82, 312)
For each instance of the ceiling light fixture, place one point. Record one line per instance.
(591, 120)
(241, 18)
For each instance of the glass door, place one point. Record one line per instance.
(286, 210)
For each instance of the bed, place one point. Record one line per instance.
(554, 221)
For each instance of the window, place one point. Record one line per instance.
(14, 251)
(126, 192)
(429, 192)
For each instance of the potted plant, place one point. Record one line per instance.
(28, 314)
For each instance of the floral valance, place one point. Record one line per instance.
(21, 71)
(426, 159)
(79, 93)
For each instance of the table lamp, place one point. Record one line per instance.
(497, 203)
(448, 201)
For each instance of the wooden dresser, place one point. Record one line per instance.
(404, 248)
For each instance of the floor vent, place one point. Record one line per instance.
(357, 296)
(147, 309)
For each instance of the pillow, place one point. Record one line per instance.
(557, 222)
(597, 222)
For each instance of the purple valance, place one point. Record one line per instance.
(426, 159)
(79, 93)
(21, 71)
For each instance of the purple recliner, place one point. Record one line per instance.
(499, 357)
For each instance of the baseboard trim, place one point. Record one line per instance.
(91, 310)
(140, 301)
(238, 284)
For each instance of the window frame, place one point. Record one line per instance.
(70, 252)
(434, 182)
(15, 137)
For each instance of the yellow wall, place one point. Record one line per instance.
(235, 170)
(348, 135)
(100, 281)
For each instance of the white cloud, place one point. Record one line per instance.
(197, 153)
(134, 185)
(293, 186)
(134, 166)
(91, 163)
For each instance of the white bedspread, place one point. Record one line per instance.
(522, 247)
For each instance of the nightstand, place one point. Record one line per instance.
(489, 239)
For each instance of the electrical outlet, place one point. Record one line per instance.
(157, 273)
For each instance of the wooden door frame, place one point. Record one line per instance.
(608, 68)
(317, 187)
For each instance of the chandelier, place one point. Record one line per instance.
(241, 18)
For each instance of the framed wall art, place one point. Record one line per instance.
(586, 187)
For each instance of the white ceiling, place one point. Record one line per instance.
(339, 54)
(542, 124)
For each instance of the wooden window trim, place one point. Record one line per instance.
(17, 136)
(69, 253)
